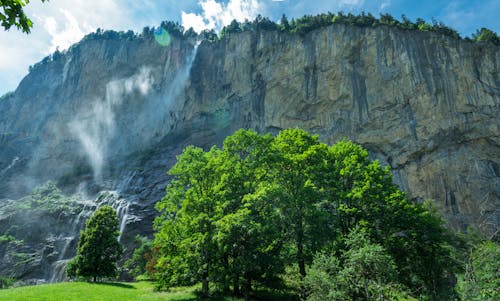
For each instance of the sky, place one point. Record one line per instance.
(60, 23)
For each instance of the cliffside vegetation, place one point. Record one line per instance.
(270, 212)
(300, 26)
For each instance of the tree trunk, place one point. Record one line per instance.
(236, 286)
(204, 282)
(248, 287)
(300, 249)
(204, 286)
(300, 256)
(227, 275)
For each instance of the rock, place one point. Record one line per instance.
(111, 114)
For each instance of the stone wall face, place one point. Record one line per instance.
(424, 104)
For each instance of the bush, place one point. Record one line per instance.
(482, 276)
(6, 282)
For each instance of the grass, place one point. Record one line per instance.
(74, 291)
(111, 291)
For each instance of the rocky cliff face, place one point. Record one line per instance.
(111, 113)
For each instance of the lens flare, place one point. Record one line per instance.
(162, 36)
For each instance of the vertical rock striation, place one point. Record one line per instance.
(113, 112)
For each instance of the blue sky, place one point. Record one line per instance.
(60, 23)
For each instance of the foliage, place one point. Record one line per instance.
(242, 215)
(482, 276)
(98, 249)
(142, 255)
(47, 197)
(12, 14)
(309, 23)
(6, 282)
(7, 238)
(365, 271)
(486, 35)
(6, 96)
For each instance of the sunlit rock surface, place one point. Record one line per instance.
(112, 113)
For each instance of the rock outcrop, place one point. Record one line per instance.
(113, 112)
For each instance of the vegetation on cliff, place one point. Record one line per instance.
(299, 26)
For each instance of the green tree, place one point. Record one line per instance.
(297, 171)
(186, 225)
(486, 35)
(482, 274)
(284, 25)
(142, 255)
(249, 232)
(98, 248)
(218, 219)
(362, 194)
(12, 14)
(240, 215)
(365, 271)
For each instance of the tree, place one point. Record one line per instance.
(362, 194)
(365, 271)
(12, 14)
(482, 277)
(297, 169)
(486, 35)
(249, 232)
(242, 214)
(142, 255)
(218, 221)
(186, 225)
(284, 25)
(98, 248)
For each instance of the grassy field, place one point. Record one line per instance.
(70, 291)
(115, 291)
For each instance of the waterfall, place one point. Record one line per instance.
(12, 163)
(59, 271)
(59, 266)
(122, 212)
(93, 134)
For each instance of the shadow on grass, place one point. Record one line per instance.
(259, 295)
(115, 284)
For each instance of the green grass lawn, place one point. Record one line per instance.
(116, 291)
(69, 291)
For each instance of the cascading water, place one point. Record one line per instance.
(12, 163)
(59, 271)
(59, 266)
(112, 198)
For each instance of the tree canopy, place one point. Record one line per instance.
(98, 248)
(12, 14)
(261, 206)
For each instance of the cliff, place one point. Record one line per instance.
(110, 115)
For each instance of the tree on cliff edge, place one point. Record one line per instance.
(98, 248)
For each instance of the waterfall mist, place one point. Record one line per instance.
(81, 148)
(95, 125)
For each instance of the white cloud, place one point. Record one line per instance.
(384, 5)
(195, 21)
(216, 15)
(57, 23)
(64, 34)
(352, 2)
